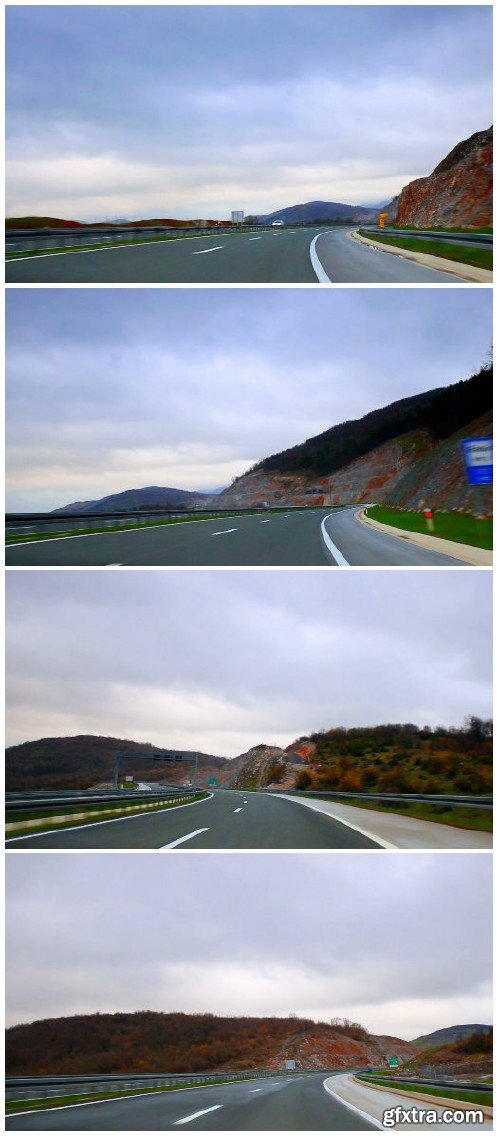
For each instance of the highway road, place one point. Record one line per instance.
(229, 820)
(287, 1103)
(300, 256)
(311, 538)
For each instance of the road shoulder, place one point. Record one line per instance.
(471, 555)
(398, 832)
(442, 264)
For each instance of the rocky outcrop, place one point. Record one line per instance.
(322, 1047)
(438, 477)
(459, 192)
(410, 471)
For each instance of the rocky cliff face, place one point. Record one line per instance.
(459, 192)
(409, 471)
(438, 477)
(322, 1047)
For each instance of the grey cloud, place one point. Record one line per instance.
(223, 661)
(111, 389)
(311, 934)
(271, 105)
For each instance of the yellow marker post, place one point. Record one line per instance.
(382, 220)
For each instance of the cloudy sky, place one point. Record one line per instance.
(165, 111)
(112, 389)
(222, 661)
(386, 940)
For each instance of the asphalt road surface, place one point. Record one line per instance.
(284, 256)
(297, 1103)
(230, 820)
(296, 539)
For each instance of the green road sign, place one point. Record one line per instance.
(212, 783)
(393, 1061)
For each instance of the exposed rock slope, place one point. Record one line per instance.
(459, 192)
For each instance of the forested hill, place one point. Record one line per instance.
(441, 412)
(178, 1042)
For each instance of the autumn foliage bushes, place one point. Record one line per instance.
(159, 1042)
(402, 758)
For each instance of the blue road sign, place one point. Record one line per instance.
(478, 459)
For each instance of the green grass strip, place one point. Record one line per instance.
(452, 525)
(465, 254)
(483, 1099)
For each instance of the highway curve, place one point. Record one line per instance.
(301, 256)
(230, 820)
(312, 538)
(286, 1103)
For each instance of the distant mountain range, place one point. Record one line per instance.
(450, 1035)
(165, 496)
(321, 212)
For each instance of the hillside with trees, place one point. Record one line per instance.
(440, 412)
(178, 1042)
(471, 1055)
(77, 762)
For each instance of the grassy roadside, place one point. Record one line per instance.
(469, 818)
(13, 1107)
(465, 254)
(453, 525)
(14, 539)
(482, 1099)
(36, 820)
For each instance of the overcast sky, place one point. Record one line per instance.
(222, 661)
(110, 389)
(194, 111)
(400, 943)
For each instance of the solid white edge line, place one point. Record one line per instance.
(184, 838)
(333, 550)
(350, 826)
(357, 1110)
(106, 822)
(188, 1118)
(316, 263)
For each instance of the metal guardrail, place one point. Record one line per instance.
(29, 1087)
(485, 801)
(407, 1078)
(45, 521)
(433, 235)
(19, 802)
(25, 240)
